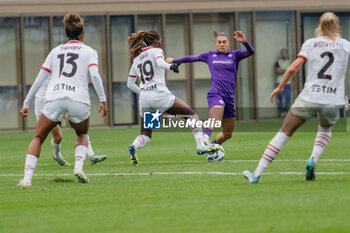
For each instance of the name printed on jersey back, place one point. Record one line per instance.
(143, 55)
(326, 44)
(71, 47)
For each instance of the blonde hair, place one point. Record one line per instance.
(328, 25)
(141, 39)
(73, 25)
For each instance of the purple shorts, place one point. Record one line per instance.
(227, 102)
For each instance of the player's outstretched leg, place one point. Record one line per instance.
(202, 141)
(270, 153)
(43, 127)
(56, 146)
(290, 124)
(322, 138)
(94, 157)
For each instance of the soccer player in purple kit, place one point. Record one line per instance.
(223, 66)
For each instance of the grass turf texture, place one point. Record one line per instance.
(175, 202)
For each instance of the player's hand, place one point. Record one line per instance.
(103, 109)
(175, 67)
(239, 36)
(277, 90)
(169, 60)
(24, 112)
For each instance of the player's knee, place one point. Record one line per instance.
(39, 137)
(58, 138)
(325, 125)
(148, 135)
(227, 135)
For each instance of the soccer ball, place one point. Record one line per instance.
(216, 156)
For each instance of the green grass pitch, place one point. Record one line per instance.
(175, 190)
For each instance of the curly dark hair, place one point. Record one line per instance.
(141, 39)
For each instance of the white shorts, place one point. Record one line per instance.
(38, 107)
(327, 114)
(55, 110)
(155, 100)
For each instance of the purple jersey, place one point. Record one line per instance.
(223, 67)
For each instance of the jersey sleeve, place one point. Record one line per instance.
(47, 63)
(305, 50)
(158, 54)
(159, 59)
(132, 72)
(244, 53)
(93, 59)
(204, 57)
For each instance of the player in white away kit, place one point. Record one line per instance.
(323, 94)
(149, 66)
(56, 132)
(68, 66)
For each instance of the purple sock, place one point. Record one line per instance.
(207, 131)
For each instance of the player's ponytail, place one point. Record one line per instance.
(140, 40)
(216, 34)
(328, 25)
(73, 25)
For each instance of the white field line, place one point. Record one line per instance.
(181, 173)
(190, 161)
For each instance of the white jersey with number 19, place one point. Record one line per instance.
(150, 67)
(327, 63)
(68, 64)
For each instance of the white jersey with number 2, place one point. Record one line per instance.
(68, 64)
(327, 65)
(150, 67)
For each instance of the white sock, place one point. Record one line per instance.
(80, 155)
(90, 151)
(29, 166)
(56, 148)
(322, 138)
(141, 141)
(271, 152)
(197, 131)
(199, 139)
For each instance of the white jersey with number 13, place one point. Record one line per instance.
(69, 67)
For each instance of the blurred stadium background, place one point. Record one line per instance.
(29, 29)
